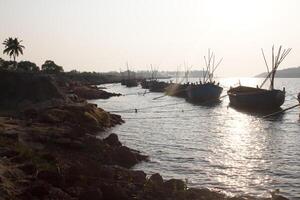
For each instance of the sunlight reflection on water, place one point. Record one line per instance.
(219, 147)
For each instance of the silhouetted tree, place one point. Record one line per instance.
(7, 64)
(50, 67)
(27, 66)
(13, 48)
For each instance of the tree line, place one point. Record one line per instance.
(13, 48)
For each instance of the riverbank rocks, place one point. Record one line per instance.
(113, 140)
(89, 92)
(127, 157)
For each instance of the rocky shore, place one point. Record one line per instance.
(50, 149)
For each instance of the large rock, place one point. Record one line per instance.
(174, 185)
(125, 157)
(113, 140)
(89, 92)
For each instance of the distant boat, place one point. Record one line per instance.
(145, 84)
(129, 81)
(207, 91)
(258, 98)
(158, 86)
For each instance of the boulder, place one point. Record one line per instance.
(156, 179)
(125, 157)
(113, 140)
(174, 185)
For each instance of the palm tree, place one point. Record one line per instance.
(13, 48)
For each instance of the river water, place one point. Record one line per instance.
(217, 146)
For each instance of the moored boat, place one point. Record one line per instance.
(201, 93)
(158, 86)
(255, 98)
(207, 91)
(258, 98)
(130, 80)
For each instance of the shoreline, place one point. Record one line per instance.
(50, 150)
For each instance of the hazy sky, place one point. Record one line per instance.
(101, 35)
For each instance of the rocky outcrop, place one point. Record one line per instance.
(84, 116)
(89, 92)
(57, 161)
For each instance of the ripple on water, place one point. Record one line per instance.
(216, 147)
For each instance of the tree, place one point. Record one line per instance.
(27, 66)
(50, 67)
(13, 48)
(6, 64)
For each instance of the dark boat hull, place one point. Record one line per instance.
(255, 98)
(131, 83)
(207, 92)
(158, 86)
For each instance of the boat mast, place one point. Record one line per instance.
(128, 72)
(210, 67)
(276, 61)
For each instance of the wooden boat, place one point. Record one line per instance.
(208, 91)
(201, 93)
(145, 84)
(129, 81)
(258, 98)
(123, 82)
(255, 98)
(158, 86)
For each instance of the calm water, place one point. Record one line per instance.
(216, 147)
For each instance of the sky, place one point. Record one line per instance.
(102, 35)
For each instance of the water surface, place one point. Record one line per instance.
(213, 146)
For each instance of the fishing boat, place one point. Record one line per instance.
(129, 81)
(259, 98)
(255, 98)
(146, 82)
(158, 86)
(207, 90)
(202, 93)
